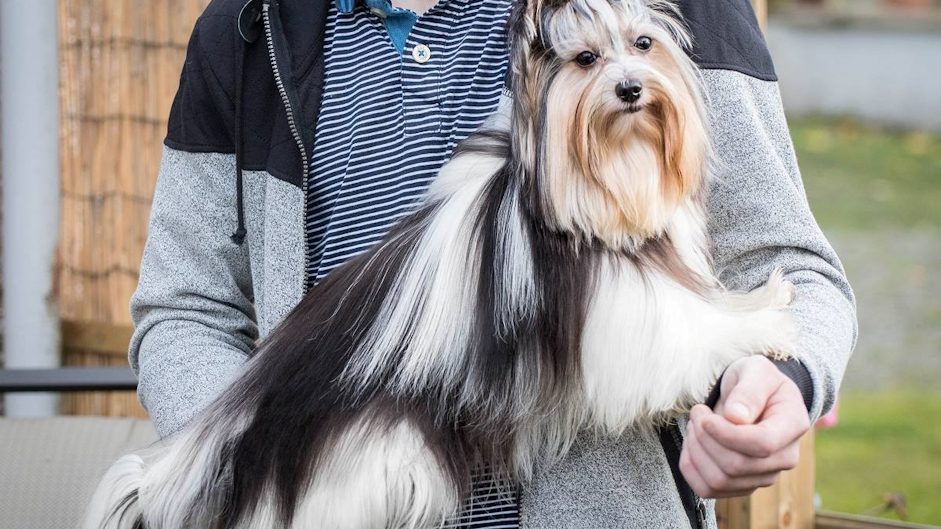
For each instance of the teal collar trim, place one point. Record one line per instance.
(398, 21)
(382, 8)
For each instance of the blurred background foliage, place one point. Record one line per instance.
(776, 6)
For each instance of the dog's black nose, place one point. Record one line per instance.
(629, 91)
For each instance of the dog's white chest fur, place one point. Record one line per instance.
(651, 343)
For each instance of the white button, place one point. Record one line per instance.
(421, 53)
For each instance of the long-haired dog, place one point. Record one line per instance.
(555, 279)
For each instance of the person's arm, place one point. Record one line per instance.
(193, 312)
(761, 222)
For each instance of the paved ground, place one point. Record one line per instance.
(897, 278)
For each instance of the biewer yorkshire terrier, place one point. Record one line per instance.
(556, 278)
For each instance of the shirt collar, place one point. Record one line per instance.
(380, 7)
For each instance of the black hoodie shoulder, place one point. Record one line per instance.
(221, 68)
(726, 36)
(201, 115)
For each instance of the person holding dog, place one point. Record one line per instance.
(302, 131)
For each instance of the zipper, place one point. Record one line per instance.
(672, 441)
(292, 125)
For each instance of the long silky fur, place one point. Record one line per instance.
(531, 296)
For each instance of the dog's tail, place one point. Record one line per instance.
(179, 482)
(116, 502)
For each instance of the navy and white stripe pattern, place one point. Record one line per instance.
(387, 124)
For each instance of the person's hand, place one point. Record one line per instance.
(750, 438)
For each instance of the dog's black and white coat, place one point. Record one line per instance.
(556, 278)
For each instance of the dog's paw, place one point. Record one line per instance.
(779, 353)
(783, 337)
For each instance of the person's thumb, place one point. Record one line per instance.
(747, 386)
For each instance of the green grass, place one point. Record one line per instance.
(884, 443)
(865, 178)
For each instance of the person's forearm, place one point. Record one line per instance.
(761, 221)
(183, 366)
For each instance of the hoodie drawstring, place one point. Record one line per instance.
(239, 236)
(248, 28)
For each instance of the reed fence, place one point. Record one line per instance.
(120, 63)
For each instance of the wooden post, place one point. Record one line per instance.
(786, 505)
(761, 11)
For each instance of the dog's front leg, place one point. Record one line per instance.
(651, 346)
(742, 324)
(764, 323)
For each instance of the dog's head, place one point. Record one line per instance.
(609, 122)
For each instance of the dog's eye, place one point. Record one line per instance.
(586, 59)
(643, 43)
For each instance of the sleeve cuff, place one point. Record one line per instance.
(791, 368)
(797, 372)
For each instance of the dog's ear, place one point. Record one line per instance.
(525, 21)
(533, 5)
(534, 13)
(524, 30)
(686, 147)
(667, 15)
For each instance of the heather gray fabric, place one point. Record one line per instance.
(202, 301)
(623, 482)
(761, 221)
(49, 467)
(276, 246)
(196, 322)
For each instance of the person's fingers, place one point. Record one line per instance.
(738, 465)
(780, 426)
(710, 480)
(746, 388)
(691, 473)
(690, 470)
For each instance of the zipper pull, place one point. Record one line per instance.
(701, 511)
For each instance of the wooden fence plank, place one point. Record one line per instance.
(734, 513)
(786, 505)
(846, 521)
(107, 338)
(761, 11)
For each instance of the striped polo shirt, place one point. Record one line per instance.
(400, 92)
(389, 119)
